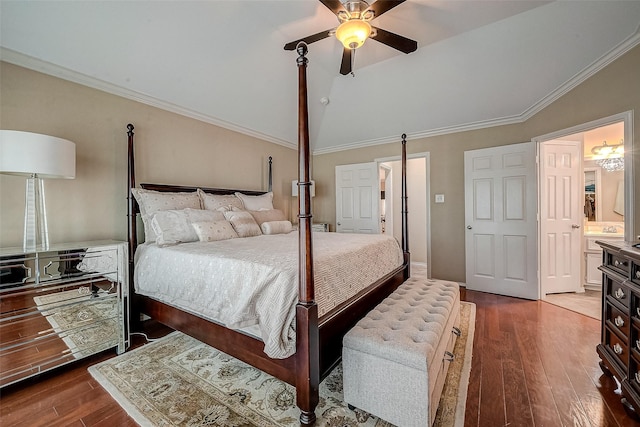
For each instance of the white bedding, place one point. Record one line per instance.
(254, 280)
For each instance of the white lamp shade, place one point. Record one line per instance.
(27, 153)
(294, 188)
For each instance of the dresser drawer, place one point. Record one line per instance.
(617, 348)
(634, 373)
(635, 272)
(618, 321)
(616, 291)
(617, 263)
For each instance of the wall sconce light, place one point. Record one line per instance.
(38, 157)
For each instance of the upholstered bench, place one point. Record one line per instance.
(395, 360)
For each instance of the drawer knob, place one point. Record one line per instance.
(457, 331)
(638, 344)
(619, 293)
(617, 348)
(619, 321)
(637, 375)
(448, 356)
(638, 274)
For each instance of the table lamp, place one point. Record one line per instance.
(38, 157)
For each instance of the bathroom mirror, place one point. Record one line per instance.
(592, 187)
(603, 194)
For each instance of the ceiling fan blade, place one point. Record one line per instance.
(381, 6)
(308, 40)
(334, 6)
(345, 66)
(395, 41)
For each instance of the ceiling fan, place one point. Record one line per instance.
(355, 28)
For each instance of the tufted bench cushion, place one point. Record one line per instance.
(394, 358)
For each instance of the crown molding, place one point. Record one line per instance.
(26, 61)
(615, 53)
(35, 64)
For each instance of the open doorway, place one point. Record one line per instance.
(417, 200)
(603, 198)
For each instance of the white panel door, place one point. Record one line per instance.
(561, 213)
(501, 225)
(357, 198)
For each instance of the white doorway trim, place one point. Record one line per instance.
(627, 118)
(427, 156)
(629, 203)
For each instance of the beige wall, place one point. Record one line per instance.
(170, 149)
(613, 90)
(175, 149)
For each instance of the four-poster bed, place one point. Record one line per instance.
(318, 338)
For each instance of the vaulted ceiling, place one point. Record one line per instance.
(478, 63)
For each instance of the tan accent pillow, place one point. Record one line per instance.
(175, 226)
(212, 231)
(214, 202)
(243, 223)
(151, 202)
(257, 203)
(276, 227)
(268, 215)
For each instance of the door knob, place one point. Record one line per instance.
(339, 224)
(469, 227)
(575, 226)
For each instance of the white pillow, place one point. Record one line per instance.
(175, 226)
(276, 227)
(268, 215)
(215, 202)
(257, 203)
(243, 223)
(151, 202)
(212, 231)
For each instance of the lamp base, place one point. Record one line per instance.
(36, 232)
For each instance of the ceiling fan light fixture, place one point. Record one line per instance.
(353, 33)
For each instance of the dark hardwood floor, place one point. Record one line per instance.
(534, 364)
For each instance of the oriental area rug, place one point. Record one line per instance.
(179, 381)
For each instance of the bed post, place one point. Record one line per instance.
(307, 339)
(132, 231)
(405, 218)
(270, 181)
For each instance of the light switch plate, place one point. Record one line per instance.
(439, 198)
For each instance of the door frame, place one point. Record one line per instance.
(625, 117)
(427, 157)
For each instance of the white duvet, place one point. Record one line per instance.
(253, 281)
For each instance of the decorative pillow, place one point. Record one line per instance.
(174, 226)
(151, 202)
(212, 231)
(268, 215)
(214, 202)
(257, 203)
(276, 227)
(243, 223)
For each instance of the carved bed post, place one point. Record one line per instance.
(270, 185)
(134, 315)
(307, 345)
(405, 218)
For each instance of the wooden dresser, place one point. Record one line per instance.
(619, 349)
